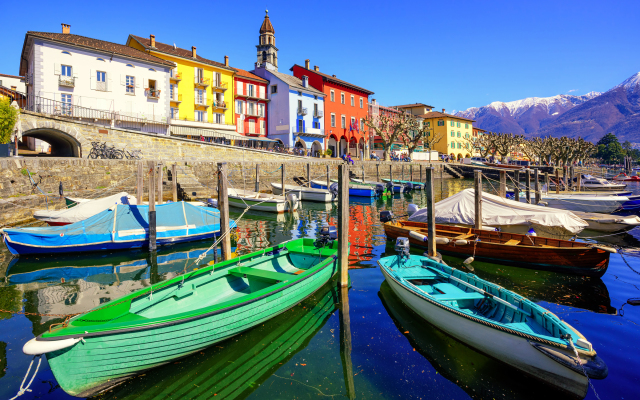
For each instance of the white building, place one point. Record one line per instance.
(11, 81)
(79, 71)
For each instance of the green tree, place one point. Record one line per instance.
(609, 149)
(8, 118)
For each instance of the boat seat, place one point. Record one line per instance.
(465, 296)
(260, 274)
(464, 236)
(512, 242)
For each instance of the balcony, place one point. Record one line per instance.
(318, 113)
(220, 105)
(152, 93)
(201, 103)
(302, 110)
(220, 85)
(312, 133)
(202, 82)
(253, 113)
(176, 76)
(101, 86)
(176, 98)
(67, 81)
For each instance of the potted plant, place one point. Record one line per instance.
(8, 119)
(328, 153)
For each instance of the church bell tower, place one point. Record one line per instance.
(267, 50)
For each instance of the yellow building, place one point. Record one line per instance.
(201, 91)
(456, 133)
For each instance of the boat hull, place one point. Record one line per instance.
(353, 191)
(416, 185)
(593, 204)
(511, 349)
(316, 195)
(274, 206)
(100, 362)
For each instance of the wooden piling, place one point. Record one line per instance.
(402, 176)
(546, 181)
(174, 182)
(431, 214)
(257, 185)
(328, 177)
(391, 173)
(152, 206)
(527, 186)
(363, 174)
(345, 343)
(343, 223)
(378, 173)
(478, 199)
(557, 181)
(308, 175)
(283, 175)
(516, 187)
(503, 184)
(420, 168)
(140, 183)
(160, 188)
(537, 185)
(411, 172)
(223, 207)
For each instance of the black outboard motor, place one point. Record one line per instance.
(379, 189)
(402, 247)
(333, 189)
(386, 216)
(408, 186)
(390, 186)
(328, 234)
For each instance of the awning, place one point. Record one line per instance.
(177, 130)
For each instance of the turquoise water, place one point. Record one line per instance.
(377, 349)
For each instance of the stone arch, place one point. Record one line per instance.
(62, 143)
(316, 148)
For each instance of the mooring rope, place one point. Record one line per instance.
(575, 351)
(24, 389)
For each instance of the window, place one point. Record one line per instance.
(333, 120)
(66, 104)
(459, 145)
(200, 116)
(152, 70)
(100, 59)
(262, 127)
(252, 126)
(428, 124)
(315, 109)
(353, 123)
(333, 95)
(300, 126)
(458, 124)
(453, 134)
(240, 125)
(361, 102)
(274, 89)
(353, 101)
(362, 125)
(239, 106)
(316, 125)
(129, 65)
(218, 118)
(251, 91)
(261, 110)
(251, 109)
(174, 113)
(299, 93)
(66, 70)
(441, 123)
(466, 135)
(343, 121)
(453, 123)
(199, 96)
(458, 134)
(217, 79)
(466, 126)
(199, 75)
(131, 81)
(171, 91)
(453, 145)
(342, 98)
(101, 80)
(66, 52)
(315, 97)
(299, 106)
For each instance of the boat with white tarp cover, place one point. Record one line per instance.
(83, 209)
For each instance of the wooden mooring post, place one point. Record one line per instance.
(527, 186)
(378, 173)
(537, 185)
(257, 185)
(174, 182)
(516, 186)
(411, 172)
(345, 343)
(391, 173)
(328, 177)
(431, 214)
(308, 175)
(283, 175)
(140, 183)
(503, 184)
(160, 176)
(546, 181)
(478, 199)
(343, 223)
(152, 206)
(223, 207)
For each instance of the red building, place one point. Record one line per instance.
(345, 108)
(251, 103)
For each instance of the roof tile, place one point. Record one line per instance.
(177, 51)
(437, 114)
(336, 80)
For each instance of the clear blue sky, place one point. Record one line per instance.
(449, 54)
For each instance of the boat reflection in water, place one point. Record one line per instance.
(480, 376)
(236, 367)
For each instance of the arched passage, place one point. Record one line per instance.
(316, 148)
(62, 144)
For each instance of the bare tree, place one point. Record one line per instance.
(481, 144)
(504, 143)
(416, 132)
(383, 127)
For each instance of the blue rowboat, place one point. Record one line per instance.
(354, 189)
(120, 227)
(416, 185)
(495, 321)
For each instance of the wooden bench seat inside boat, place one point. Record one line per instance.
(260, 274)
(512, 242)
(459, 296)
(464, 236)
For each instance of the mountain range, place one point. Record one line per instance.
(589, 116)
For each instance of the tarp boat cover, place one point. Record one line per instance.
(120, 227)
(83, 210)
(498, 211)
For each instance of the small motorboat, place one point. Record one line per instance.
(83, 209)
(415, 185)
(622, 177)
(596, 204)
(504, 166)
(263, 201)
(156, 325)
(608, 222)
(590, 182)
(494, 320)
(73, 201)
(304, 193)
(397, 187)
(355, 190)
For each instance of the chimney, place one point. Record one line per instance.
(193, 51)
(306, 64)
(226, 61)
(373, 101)
(443, 110)
(334, 76)
(66, 28)
(14, 88)
(153, 40)
(316, 68)
(305, 81)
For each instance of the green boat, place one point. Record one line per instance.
(416, 185)
(181, 316)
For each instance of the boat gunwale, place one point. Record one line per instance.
(171, 319)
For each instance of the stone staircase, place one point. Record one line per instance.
(452, 171)
(189, 188)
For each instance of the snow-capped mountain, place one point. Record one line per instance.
(631, 85)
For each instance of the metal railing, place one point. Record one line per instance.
(318, 113)
(67, 81)
(153, 93)
(177, 98)
(302, 110)
(312, 132)
(220, 85)
(220, 104)
(201, 102)
(176, 76)
(101, 85)
(200, 81)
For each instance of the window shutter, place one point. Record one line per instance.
(205, 116)
(123, 79)
(204, 97)
(195, 73)
(109, 83)
(56, 69)
(195, 94)
(304, 129)
(137, 81)
(93, 80)
(240, 84)
(146, 83)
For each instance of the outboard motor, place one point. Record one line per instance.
(532, 232)
(212, 203)
(408, 186)
(402, 247)
(412, 209)
(390, 186)
(386, 216)
(333, 189)
(292, 200)
(379, 189)
(328, 234)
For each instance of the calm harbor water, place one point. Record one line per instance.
(303, 353)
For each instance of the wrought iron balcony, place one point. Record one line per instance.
(220, 85)
(318, 113)
(302, 110)
(67, 81)
(176, 98)
(176, 76)
(201, 103)
(203, 82)
(152, 93)
(253, 113)
(220, 104)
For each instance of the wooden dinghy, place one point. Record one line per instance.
(304, 193)
(416, 185)
(263, 201)
(397, 187)
(495, 321)
(156, 325)
(508, 248)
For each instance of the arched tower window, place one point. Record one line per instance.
(264, 56)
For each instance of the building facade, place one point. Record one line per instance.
(76, 71)
(415, 108)
(13, 82)
(346, 107)
(456, 133)
(251, 104)
(201, 91)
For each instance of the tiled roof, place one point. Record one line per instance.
(437, 114)
(249, 75)
(266, 25)
(177, 51)
(295, 82)
(12, 76)
(97, 44)
(335, 80)
(413, 105)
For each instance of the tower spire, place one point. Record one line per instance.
(267, 51)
